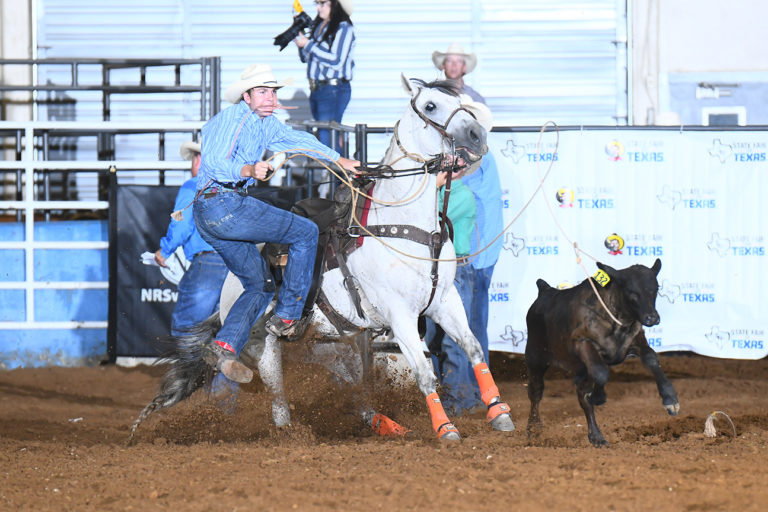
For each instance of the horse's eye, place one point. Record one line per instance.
(429, 107)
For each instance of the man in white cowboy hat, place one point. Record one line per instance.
(455, 63)
(477, 227)
(234, 141)
(200, 286)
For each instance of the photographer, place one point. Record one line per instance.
(328, 55)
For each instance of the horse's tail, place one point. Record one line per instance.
(188, 370)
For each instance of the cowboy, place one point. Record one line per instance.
(200, 286)
(234, 223)
(455, 63)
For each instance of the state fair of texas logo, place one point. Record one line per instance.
(565, 197)
(614, 150)
(614, 243)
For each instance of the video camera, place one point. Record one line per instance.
(300, 22)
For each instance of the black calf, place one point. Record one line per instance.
(572, 330)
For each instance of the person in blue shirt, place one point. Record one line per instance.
(200, 287)
(233, 222)
(473, 276)
(327, 52)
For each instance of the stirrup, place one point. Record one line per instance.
(291, 329)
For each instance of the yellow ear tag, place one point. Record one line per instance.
(601, 278)
(297, 6)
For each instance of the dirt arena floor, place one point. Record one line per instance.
(63, 433)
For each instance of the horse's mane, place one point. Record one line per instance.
(450, 87)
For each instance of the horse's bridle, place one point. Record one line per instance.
(435, 240)
(442, 129)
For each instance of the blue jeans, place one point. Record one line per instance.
(328, 103)
(478, 315)
(454, 371)
(233, 224)
(199, 291)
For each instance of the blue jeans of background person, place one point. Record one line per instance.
(199, 291)
(233, 224)
(478, 315)
(454, 371)
(328, 103)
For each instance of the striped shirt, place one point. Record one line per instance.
(330, 61)
(236, 136)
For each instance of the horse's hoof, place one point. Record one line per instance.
(450, 436)
(498, 417)
(673, 409)
(281, 413)
(447, 432)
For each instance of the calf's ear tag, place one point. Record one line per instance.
(602, 278)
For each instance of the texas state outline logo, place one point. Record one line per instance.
(513, 243)
(513, 336)
(720, 150)
(514, 151)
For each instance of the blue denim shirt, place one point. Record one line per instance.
(485, 184)
(236, 136)
(183, 232)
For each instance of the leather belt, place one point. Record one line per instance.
(202, 252)
(216, 189)
(314, 84)
(462, 260)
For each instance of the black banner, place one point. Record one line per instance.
(145, 297)
(142, 298)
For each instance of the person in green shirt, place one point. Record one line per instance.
(451, 364)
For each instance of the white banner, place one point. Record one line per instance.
(690, 198)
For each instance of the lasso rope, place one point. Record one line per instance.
(709, 426)
(356, 192)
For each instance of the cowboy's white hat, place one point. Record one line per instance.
(255, 75)
(189, 150)
(348, 6)
(482, 112)
(470, 59)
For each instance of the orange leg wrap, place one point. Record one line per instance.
(385, 426)
(488, 389)
(440, 422)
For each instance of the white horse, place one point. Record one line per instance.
(395, 273)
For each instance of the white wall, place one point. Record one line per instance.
(15, 43)
(674, 36)
(667, 36)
